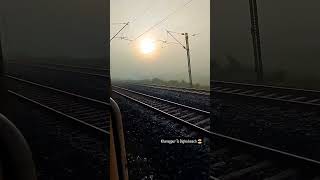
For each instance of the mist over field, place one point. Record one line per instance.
(168, 62)
(289, 40)
(54, 29)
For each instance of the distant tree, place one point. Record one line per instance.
(215, 66)
(233, 63)
(157, 81)
(184, 83)
(173, 83)
(279, 76)
(197, 85)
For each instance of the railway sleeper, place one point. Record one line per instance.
(234, 91)
(195, 119)
(245, 171)
(170, 108)
(203, 122)
(187, 115)
(162, 107)
(283, 175)
(248, 92)
(298, 99)
(316, 101)
(174, 110)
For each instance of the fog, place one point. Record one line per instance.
(289, 32)
(59, 28)
(168, 62)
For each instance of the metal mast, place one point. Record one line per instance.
(187, 48)
(3, 90)
(255, 33)
(188, 56)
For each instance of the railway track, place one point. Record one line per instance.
(265, 92)
(88, 69)
(89, 113)
(95, 72)
(237, 159)
(262, 92)
(177, 89)
(231, 158)
(189, 116)
(103, 73)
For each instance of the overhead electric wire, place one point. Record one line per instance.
(119, 31)
(141, 15)
(175, 32)
(166, 42)
(162, 20)
(123, 38)
(176, 39)
(131, 22)
(138, 17)
(118, 23)
(181, 33)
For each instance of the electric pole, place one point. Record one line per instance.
(187, 48)
(3, 90)
(1, 63)
(255, 33)
(188, 56)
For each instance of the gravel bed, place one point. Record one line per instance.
(148, 158)
(280, 126)
(194, 100)
(60, 150)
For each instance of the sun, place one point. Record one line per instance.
(147, 46)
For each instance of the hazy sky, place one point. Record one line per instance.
(289, 33)
(37, 28)
(169, 62)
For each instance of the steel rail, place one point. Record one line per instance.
(233, 88)
(264, 86)
(164, 100)
(214, 134)
(65, 70)
(274, 93)
(60, 113)
(174, 88)
(225, 138)
(64, 65)
(91, 100)
(215, 82)
(197, 128)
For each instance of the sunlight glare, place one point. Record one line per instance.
(147, 46)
